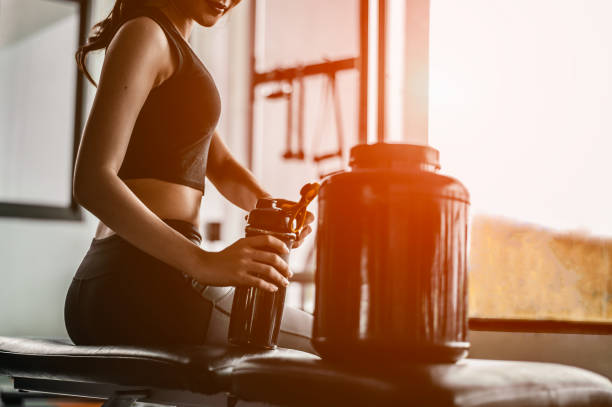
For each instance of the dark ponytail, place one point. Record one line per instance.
(102, 33)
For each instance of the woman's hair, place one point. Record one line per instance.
(102, 33)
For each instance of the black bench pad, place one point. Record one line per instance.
(293, 378)
(203, 369)
(309, 381)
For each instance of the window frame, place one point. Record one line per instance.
(73, 211)
(540, 326)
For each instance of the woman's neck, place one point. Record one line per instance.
(182, 22)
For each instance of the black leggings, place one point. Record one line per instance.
(121, 295)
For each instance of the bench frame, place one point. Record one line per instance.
(115, 395)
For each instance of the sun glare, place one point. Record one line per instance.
(519, 108)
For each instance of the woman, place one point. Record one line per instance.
(148, 143)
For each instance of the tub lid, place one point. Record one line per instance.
(394, 155)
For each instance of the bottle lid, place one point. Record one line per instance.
(394, 155)
(269, 215)
(273, 203)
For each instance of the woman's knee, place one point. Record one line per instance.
(296, 330)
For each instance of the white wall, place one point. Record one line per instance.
(39, 257)
(38, 261)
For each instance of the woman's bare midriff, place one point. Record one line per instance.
(166, 199)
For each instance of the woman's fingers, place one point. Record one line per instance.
(269, 273)
(309, 218)
(305, 232)
(273, 260)
(268, 241)
(253, 281)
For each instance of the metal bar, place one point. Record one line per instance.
(289, 74)
(382, 66)
(14, 210)
(73, 389)
(301, 107)
(364, 21)
(250, 110)
(106, 391)
(337, 114)
(414, 109)
(540, 326)
(289, 135)
(18, 398)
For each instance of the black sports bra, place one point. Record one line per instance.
(172, 133)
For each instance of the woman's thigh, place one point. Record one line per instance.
(296, 330)
(145, 304)
(124, 296)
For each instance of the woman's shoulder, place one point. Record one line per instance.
(141, 31)
(142, 38)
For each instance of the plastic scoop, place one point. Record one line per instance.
(298, 211)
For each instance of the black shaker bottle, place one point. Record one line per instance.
(256, 313)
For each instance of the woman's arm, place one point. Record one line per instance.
(236, 183)
(139, 58)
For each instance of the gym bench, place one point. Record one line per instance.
(233, 376)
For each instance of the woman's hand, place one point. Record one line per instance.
(251, 261)
(305, 231)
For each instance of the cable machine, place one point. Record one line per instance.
(289, 77)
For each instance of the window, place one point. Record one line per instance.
(520, 103)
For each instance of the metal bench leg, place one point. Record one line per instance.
(17, 397)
